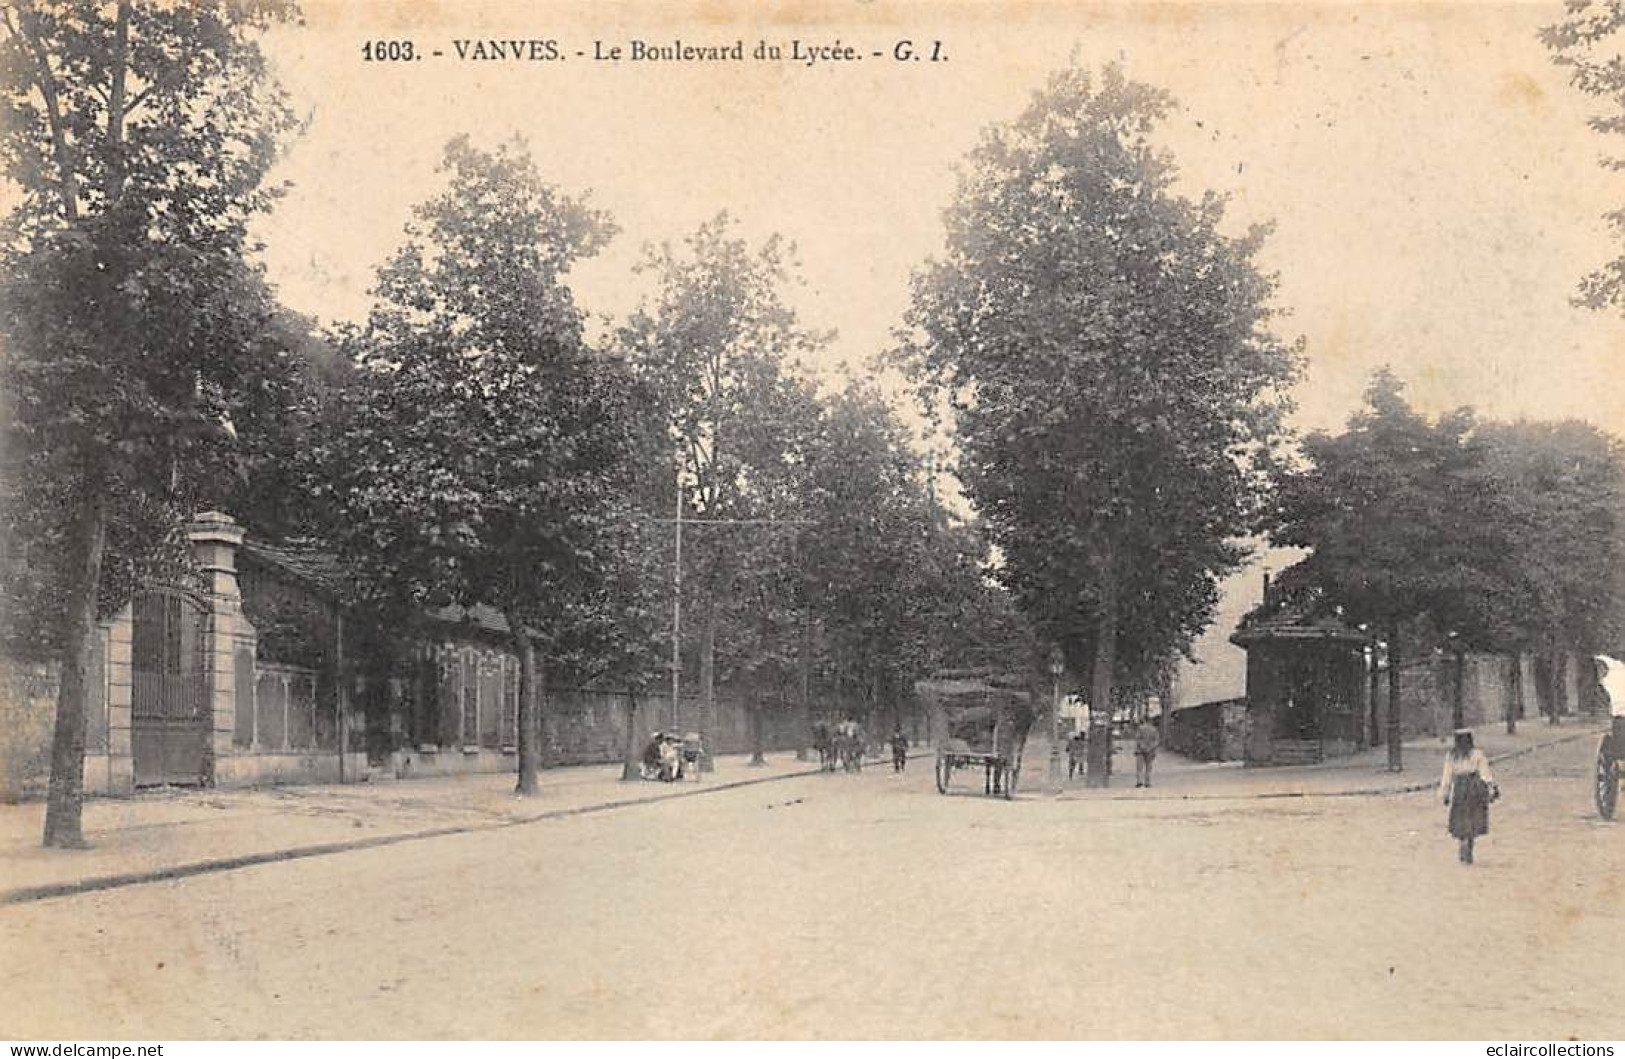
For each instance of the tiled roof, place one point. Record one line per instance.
(1295, 620)
(319, 571)
(479, 616)
(303, 560)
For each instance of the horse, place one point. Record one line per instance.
(850, 745)
(824, 742)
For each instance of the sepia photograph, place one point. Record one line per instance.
(812, 520)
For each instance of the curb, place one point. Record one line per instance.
(93, 884)
(1359, 792)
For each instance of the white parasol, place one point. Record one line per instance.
(1613, 682)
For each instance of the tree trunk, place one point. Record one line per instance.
(65, 798)
(756, 749)
(1396, 758)
(1515, 699)
(632, 752)
(1560, 686)
(1543, 681)
(530, 713)
(1458, 680)
(708, 685)
(1100, 691)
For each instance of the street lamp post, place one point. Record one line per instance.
(1057, 778)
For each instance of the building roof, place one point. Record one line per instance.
(300, 559)
(1298, 619)
(319, 571)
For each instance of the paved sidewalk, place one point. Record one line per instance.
(1365, 773)
(171, 833)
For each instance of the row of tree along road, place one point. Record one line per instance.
(464, 443)
(1099, 349)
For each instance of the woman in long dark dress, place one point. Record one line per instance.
(1467, 788)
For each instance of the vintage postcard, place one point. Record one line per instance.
(854, 519)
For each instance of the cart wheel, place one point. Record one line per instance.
(1607, 780)
(944, 771)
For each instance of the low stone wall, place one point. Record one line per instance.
(27, 712)
(1212, 731)
(253, 770)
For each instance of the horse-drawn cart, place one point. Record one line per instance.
(1609, 753)
(999, 771)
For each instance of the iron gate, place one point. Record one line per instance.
(170, 718)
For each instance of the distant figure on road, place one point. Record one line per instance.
(1077, 754)
(1147, 740)
(1611, 675)
(899, 749)
(693, 750)
(1468, 789)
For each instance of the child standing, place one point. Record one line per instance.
(1467, 788)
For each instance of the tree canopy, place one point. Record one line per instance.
(485, 453)
(1401, 519)
(1106, 350)
(1506, 535)
(139, 137)
(1586, 41)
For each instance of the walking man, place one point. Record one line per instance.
(899, 749)
(1146, 742)
(1077, 754)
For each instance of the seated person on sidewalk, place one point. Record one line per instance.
(652, 755)
(693, 750)
(671, 759)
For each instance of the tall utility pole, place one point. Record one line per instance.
(677, 611)
(677, 597)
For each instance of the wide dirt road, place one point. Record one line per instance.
(848, 906)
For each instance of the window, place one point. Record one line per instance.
(491, 698)
(510, 701)
(471, 699)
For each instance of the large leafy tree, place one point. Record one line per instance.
(1406, 530)
(139, 136)
(1107, 355)
(876, 565)
(1586, 41)
(1563, 489)
(485, 453)
(717, 345)
(272, 413)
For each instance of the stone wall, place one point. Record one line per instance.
(277, 710)
(1427, 689)
(1212, 731)
(27, 706)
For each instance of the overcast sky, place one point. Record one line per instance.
(1435, 189)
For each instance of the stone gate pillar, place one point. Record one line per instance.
(120, 683)
(215, 539)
